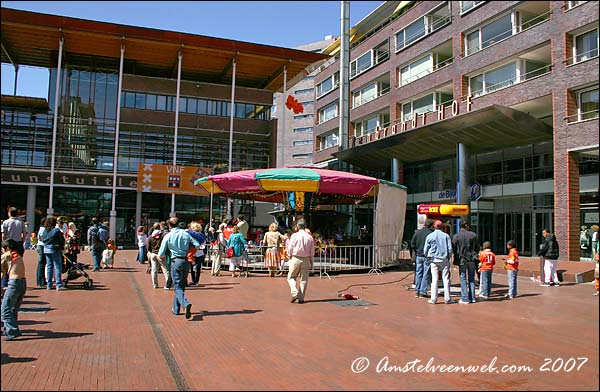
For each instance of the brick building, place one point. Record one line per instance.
(448, 95)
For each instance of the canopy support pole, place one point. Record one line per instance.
(210, 213)
(375, 269)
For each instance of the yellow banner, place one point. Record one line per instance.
(179, 180)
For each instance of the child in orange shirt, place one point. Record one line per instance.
(511, 265)
(488, 260)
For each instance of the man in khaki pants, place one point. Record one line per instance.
(301, 250)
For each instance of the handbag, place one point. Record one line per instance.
(229, 253)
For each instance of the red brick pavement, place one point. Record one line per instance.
(245, 335)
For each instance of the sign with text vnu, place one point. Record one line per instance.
(179, 180)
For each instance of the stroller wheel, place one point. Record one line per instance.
(86, 285)
(91, 282)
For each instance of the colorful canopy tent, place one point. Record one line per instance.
(301, 189)
(291, 185)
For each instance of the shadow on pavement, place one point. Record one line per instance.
(201, 315)
(47, 334)
(6, 359)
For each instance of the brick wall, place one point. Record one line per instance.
(573, 216)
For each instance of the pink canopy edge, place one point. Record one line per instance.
(332, 181)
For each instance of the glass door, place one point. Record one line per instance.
(542, 220)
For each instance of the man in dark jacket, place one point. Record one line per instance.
(423, 264)
(466, 251)
(549, 251)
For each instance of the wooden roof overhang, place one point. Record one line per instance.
(30, 38)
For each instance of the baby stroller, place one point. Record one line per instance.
(75, 270)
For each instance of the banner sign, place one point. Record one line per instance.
(443, 209)
(179, 180)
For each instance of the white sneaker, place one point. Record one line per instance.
(431, 302)
(463, 302)
(167, 288)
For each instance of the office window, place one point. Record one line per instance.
(129, 99)
(410, 34)
(302, 142)
(493, 80)
(466, 6)
(327, 113)
(427, 103)
(191, 105)
(303, 91)
(586, 46)
(182, 105)
(201, 108)
(303, 129)
(150, 101)
(328, 84)
(364, 95)
(140, 101)
(303, 116)
(416, 70)
(361, 64)
(302, 156)
(328, 140)
(587, 104)
(161, 102)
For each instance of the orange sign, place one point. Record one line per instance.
(443, 209)
(170, 179)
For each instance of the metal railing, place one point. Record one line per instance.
(512, 81)
(380, 58)
(361, 101)
(423, 32)
(590, 115)
(425, 72)
(507, 33)
(328, 258)
(589, 55)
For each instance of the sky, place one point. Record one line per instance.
(278, 23)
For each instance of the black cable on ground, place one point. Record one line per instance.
(374, 284)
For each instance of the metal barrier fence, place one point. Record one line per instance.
(331, 258)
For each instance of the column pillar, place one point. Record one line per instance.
(397, 171)
(569, 240)
(30, 212)
(50, 211)
(113, 211)
(138, 210)
(463, 194)
(179, 56)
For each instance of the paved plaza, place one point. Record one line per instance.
(246, 335)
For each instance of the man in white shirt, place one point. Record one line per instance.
(13, 227)
(301, 250)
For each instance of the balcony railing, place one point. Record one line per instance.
(512, 81)
(370, 98)
(589, 55)
(380, 58)
(426, 72)
(508, 33)
(425, 31)
(575, 118)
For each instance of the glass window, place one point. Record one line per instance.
(328, 140)
(468, 5)
(302, 142)
(201, 106)
(161, 102)
(416, 70)
(496, 31)
(588, 104)
(328, 84)
(476, 85)
(129, 99)
(140, 101)
(170, 105)
(327, 113)
(500, 77)
(473, 42)
(150, 101)
(363, 62)
(586, 46)
(303, 129)
(533, 69)
(415, 31)
(191, 105)
(423, 105)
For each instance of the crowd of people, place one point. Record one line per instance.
(434, 250)
(178, 250)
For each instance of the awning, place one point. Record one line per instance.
(485, 129)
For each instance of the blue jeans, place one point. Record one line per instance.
(467, 275)
(486, 283)
(422, 274)
(41, 267)
(142, 254)
(512, 282)
(54, 267)
(97, 257)
(11, 303)
(179, 273)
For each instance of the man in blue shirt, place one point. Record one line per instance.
(438, 249)
(178, 241)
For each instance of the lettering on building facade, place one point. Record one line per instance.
(67, 179)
